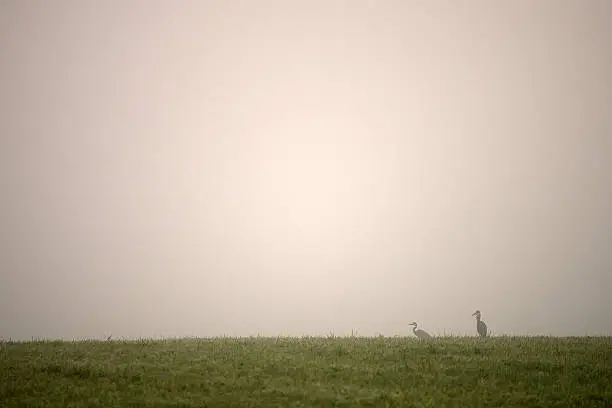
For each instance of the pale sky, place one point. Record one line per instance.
(204, 168)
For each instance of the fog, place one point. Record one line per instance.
(208, 168)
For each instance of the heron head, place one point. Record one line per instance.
(413, 324)
(476, 313)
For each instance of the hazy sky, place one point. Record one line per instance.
(200, 168)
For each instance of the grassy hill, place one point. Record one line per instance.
(309, 372)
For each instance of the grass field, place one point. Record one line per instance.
(309, 372)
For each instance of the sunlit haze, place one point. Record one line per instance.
(207, 168)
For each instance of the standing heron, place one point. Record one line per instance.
(421, 334)
(480, 325)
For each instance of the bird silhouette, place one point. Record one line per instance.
(480, 325)
(421, 334)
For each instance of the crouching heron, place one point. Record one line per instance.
(420, 333)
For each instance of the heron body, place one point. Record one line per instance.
(481, 327)
(420, 333)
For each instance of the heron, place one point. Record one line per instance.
(480, 325)
(420, 333)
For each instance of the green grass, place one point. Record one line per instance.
(309, 372)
